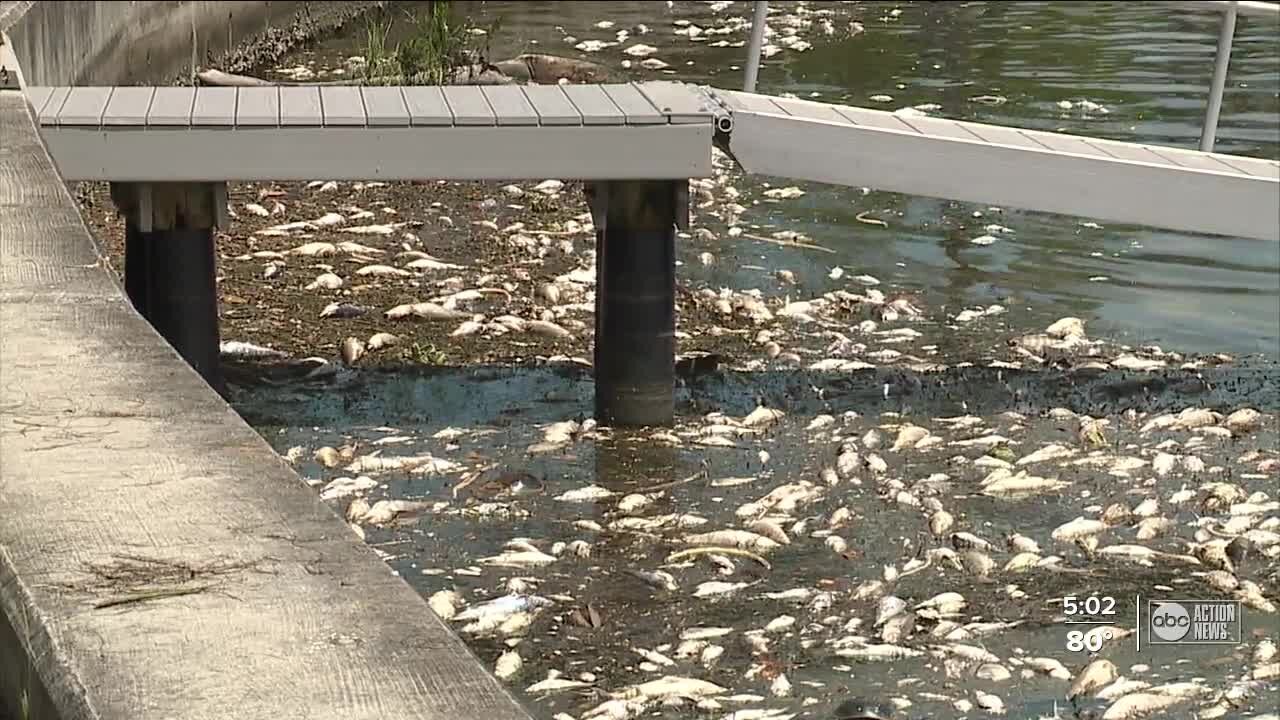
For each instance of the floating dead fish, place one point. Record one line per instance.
(590, 493)
(352, 350)
(343, 310)
(325, 281)
(315, 249)
(424, 311)
(429, 263)
(381, 340)
(740, 539)
(382, 271)
(237, 350)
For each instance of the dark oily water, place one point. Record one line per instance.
(1135, 72)
(894, 537)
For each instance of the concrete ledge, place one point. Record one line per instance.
(112, 449)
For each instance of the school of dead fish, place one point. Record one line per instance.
(1155, 502)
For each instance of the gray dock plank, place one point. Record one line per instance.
(84, 106)
(468, 105)
(1064, 143)
(510, 106)
(427, 106)
(1045, 172)
(634, 105)
(300, 107)
(941, 127)
(38, 96)
(214, 107)
(342, 106)
(811, 110)
(594, 105)
(1001, 135)
(749, 102)
(171, 106)
(128, 106)
(49, 113)
(1192, 159)
(258, 107)
(552, 105)
(875, 119)
(679, 103)
(384, 106)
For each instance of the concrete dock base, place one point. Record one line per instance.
(158, 560)
(635, 301)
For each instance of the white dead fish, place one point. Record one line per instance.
(546, 329)
(381, 340)
(507, 665)
(352, 350)
(908, 436)
(1065, 328)
(315, 249)
(445, 603)
(590, 493)
(237, 350)
(1139, 705)
(1093, 677)
(762, 417)
(430, 263)
(382, 271)
(342, 310)
(1078, 528)
(740, 539)
(325, 281)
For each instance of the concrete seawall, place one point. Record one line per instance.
(157, 559)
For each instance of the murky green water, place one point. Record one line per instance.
(1147, 66)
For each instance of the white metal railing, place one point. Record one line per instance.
(1226, 34)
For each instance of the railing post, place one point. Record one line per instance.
(756, 44)
(1226, 33)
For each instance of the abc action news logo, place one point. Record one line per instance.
(1194, 622)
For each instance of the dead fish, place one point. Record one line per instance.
(1078, 528)
(315, 249)
(325, 281)
(507, 665)
(424, 311)
(237, 350)
(382, 271)
(352, 350)
(740, 539)
(1094, 676)
(468, 327)
(546, 329)
(1243, 421)
(430, 263)
(343, 310)
(908, 436)
(377, 341)
(762, 417)
(1139, 705)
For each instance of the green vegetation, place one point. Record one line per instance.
(436, 45)
(427, 354)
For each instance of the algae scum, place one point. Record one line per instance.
(877, 491)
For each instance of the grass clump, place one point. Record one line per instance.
(435, 47)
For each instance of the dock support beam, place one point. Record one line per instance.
(635, 345)
(171, 265)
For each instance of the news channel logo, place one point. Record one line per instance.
(1194, 622)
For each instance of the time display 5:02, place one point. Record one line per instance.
(1089, 605)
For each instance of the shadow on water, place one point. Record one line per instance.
(511, 397)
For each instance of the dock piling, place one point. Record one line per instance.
(635, 299)
(171, 265)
